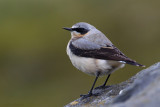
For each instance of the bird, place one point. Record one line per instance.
(91, 52)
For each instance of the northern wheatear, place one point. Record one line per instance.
(93, 53)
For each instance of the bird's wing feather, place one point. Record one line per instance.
(105, 53)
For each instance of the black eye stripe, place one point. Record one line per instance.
(80, 30)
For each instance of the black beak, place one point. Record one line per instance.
(69, 29)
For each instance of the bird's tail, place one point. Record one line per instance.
(134, 63)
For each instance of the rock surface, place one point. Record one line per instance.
(141, 90)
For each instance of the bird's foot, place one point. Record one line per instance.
(86, 95)
(102, 87)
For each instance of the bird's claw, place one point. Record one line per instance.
(86, 95)
(102, 87)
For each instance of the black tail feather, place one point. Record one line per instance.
(134, 63)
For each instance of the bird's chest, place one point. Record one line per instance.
(88, 65)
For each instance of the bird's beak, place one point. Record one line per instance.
(69, 29)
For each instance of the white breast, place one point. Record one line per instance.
(92, 66)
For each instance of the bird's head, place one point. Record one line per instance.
(80, 29)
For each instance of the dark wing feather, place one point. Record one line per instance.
(105, 53)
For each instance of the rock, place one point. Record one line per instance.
(141, 90)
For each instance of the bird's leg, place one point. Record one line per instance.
(104, 85)
(90, 92)
(106, 80)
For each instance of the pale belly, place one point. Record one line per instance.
(91, 66)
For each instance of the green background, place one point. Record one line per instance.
(34, 68)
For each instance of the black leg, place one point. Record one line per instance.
(106, 80)
(104, 85)
(90, 92)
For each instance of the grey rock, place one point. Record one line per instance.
(141, 90)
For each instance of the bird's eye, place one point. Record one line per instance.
(81, 30)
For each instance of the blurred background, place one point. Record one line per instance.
(35, 70)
